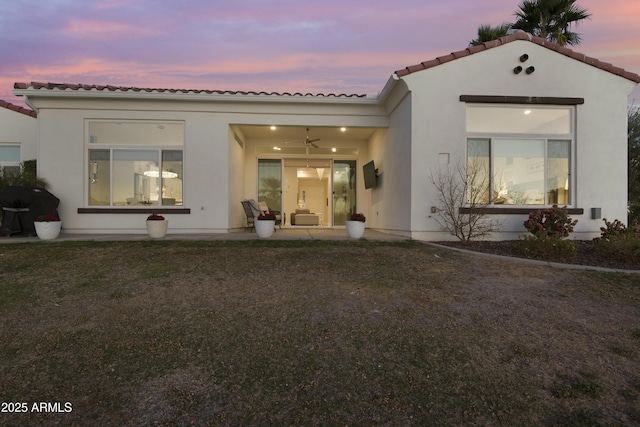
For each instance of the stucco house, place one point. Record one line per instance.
(549, 124)
(18, 136)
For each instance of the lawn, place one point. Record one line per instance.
(310, 333)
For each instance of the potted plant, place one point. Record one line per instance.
(265, 224)
(47, 226)
(355, 226)
(157, 226)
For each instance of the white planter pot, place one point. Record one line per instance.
(355, 229)
(157, 229)
(48, 230)
(265, 228)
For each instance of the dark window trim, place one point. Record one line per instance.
(515, 211)
(166, 211)
(491, 99)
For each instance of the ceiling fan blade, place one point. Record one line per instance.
(310, 141)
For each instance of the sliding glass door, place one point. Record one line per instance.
(324, 187)
(270, 183)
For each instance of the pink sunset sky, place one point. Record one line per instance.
(317, 46)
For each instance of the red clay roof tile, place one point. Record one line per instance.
(461, 53)
(520, 35)
(18, 109)
(111, 88)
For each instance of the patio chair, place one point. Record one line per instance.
(251, 217)
(253, 209)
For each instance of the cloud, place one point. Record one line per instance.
(112, 4)
(275, 45)
(101, 29)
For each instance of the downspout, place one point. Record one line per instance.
(27, 101)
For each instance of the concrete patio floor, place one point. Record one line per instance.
(303, 233)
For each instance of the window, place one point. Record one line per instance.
(135, 163)
(9, 159)
(524, 153)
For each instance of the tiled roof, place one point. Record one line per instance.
(109, 88)
(17, 108)
(520, 35)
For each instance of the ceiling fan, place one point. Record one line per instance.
(311, 142)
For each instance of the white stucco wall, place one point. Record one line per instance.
(391, 151)
(218, 173)
(62, 160)
(438, 126)
(418, 119)
(237, 174)
(20, 129)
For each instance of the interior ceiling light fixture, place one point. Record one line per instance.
(273, 127)
(343, 129)
(156, 174)
(527, 111)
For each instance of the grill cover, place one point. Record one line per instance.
(21, 206)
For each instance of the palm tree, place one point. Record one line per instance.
(551, 19)
(486, 33)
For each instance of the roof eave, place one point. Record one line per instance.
(28, 91)
(522, 36)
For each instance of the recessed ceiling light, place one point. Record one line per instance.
(273, 128)
(343, 129)
(277, 148)
(527, 111)
(334, 149)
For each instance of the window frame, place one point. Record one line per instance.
(11, 162)
(545, 137)
(90, 143)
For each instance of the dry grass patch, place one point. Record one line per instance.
(312, 333)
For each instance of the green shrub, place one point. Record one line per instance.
(617, 240)
(547, 249)
(27, 177)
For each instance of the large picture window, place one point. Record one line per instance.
(135, 163)
(523, 153)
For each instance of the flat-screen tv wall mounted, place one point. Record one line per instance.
(370, 175)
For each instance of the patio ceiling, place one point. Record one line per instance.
(289, 134)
